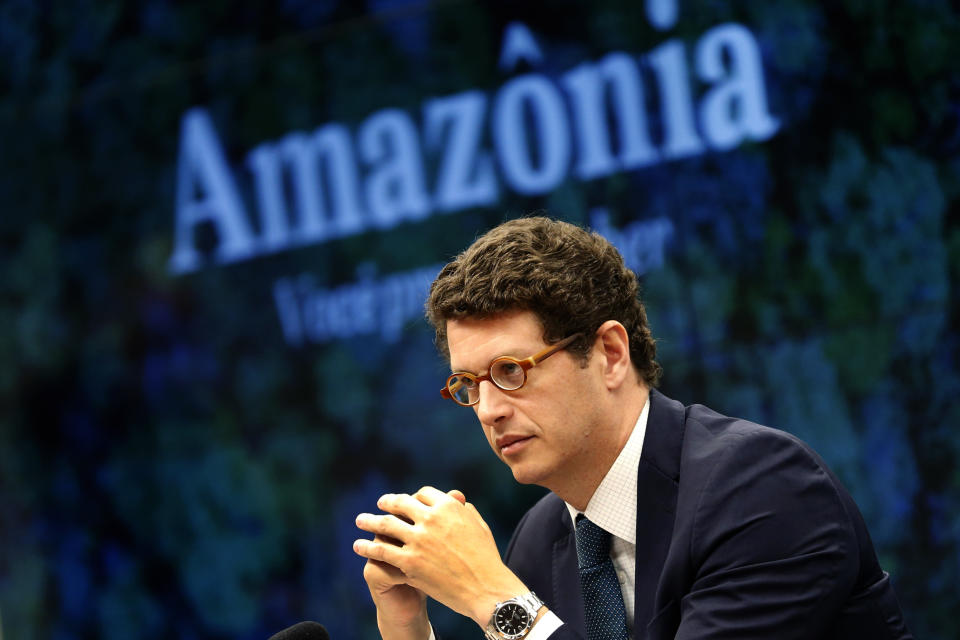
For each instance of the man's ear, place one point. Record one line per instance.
(613, 346)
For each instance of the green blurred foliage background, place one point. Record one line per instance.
(171, 467)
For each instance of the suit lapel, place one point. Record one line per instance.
(545, 558)
(657, 482)
(566, 592)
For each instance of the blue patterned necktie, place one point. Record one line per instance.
(602, 599)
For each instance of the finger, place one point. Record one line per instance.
(388, 540)
(473, 510)
(377, 573)
(430, 496)
(402, 505)
(377, 550)
(388, 525)
(457, 495)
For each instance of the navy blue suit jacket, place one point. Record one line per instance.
(742, 532)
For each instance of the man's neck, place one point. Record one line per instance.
(579, 486)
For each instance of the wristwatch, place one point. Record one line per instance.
(513, 618)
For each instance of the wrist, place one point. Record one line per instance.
(403, 623)
(487, 602)
(516, 617)
(416, 629)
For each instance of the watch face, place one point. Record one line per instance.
(512, 620)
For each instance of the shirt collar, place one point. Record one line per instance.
(613, 506)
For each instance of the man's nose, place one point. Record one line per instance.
(493, 404)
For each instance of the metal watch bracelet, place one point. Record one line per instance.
(530, 603)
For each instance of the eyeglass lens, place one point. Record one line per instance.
(506, 373)
(463, 389)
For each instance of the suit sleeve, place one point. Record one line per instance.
(773, 547)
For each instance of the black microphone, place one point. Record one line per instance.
(303, 631)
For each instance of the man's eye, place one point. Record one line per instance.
(507, 374)
(509, 368)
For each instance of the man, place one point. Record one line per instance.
(663, 521)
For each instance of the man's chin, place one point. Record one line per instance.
(525, 474)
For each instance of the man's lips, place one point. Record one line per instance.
(511, 443)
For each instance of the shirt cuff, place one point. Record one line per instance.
(543, 629)
(545, 626)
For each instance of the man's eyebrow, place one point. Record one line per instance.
(461, 370)
(513, 352)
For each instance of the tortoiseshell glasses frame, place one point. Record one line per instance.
(506, 372)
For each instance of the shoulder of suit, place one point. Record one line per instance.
(547, 513)
(713, 439)
(707, 430)
(708, 418)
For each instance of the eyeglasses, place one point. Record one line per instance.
(505, 372)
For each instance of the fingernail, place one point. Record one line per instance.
(362, 518)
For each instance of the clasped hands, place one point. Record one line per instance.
(431, 544)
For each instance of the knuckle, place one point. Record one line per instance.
(413, 566)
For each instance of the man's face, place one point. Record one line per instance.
(547, 430)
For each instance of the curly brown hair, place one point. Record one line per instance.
(573, 280)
